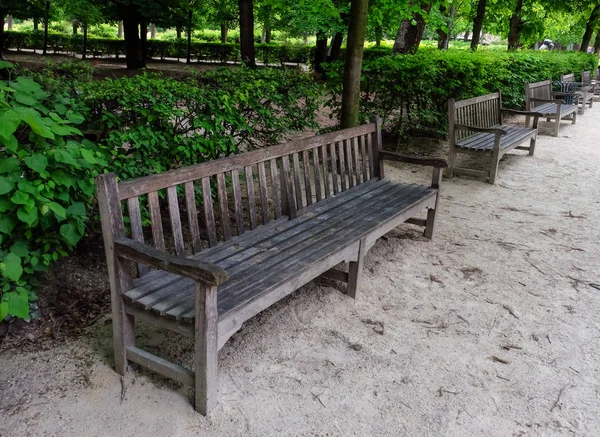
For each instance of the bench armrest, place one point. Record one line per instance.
(199, 271)
(565, 94)
(430, 162)
(538, 100)
(489, 130)
(518, 112)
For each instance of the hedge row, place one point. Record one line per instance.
(411, 92)
(201, 51)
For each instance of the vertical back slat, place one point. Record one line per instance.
(323, 150)
(287, 192)
(342, 165)
(317, 172)
(307, 185)
(190, 206)
(275, 188)
(363, 157)
(356, 159)
(157, 229)
(237, 201)
(209, 214)
(224, 206)
(334, 177)
(297, 185)
(349, 165)
(264, 199)
(370, 154)
(251, 197)
(175, 220)
(137, 232)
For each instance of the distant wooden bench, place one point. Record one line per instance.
(270, 221)
(476, 126)
(591, 82)
(585, 92)
(540, 98)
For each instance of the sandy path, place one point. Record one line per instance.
(509, 266)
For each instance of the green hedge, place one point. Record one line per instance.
(411, 92)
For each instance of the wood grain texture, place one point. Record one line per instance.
(275, 188)
(251, 196)
(224, 207)
(209, 214)
(157, 229)
(175, 221)
(137, 233)
(237, 201)
(192, 213)
(264, 197)
(205, 357)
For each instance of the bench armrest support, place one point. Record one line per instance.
(537, 100)
(518, 112)
(430, 162)
(488, 130)
(199, 271)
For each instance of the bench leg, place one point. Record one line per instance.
(557, 126)
(452, 161)
(527, 120)
(574, 119)
(532, 145)
(205, 360)
(355, 270)
(123, 333)
(494, 167)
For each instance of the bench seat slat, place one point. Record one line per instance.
(485, 141)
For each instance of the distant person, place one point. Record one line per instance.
(590, 50)
(547, 44)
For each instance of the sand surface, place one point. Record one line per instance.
(491, 329)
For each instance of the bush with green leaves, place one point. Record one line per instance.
(46, 186)
(156, 123)
(411, 92)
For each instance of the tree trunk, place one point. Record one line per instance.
(336, 47)
(133, 46)
(378, 35)
(9, 22)
(305, 38)
(516, 25)
(120, 29)
(46, 19)
(589, 28)
(85, 29)
(478, 24)
(144, 40)
(178, 29)
(247, 32)
(224, 30)
(321, 51)
(466, 36)
(75, 27)
(409, 36)
(353, 67)
(597, 43)
(444, 35)
(2, 15)
(36, 23)
(189, 38)
(152, 31)
(268, 35)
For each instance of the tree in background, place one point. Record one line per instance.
(591, 24)
(247, 32)
(410, 32)
(84, 13)
(478, 24)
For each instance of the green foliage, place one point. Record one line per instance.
(158, 123)
(46, 186)
(411, 92)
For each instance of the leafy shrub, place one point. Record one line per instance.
(46, 186)
(156, 123)
(411, 92)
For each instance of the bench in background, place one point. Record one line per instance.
(540, 98)
(585, 92)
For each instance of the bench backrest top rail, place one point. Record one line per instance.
(567, 77)
(538, 90)
(147, 184)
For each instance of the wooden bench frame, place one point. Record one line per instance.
(592, 82)
(585, 91)
(209, 329)
(542, 93)
(484, 114)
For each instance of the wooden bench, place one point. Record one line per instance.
(476, 126)
(592, 82)
(540, 98)
(244, 232)
(585, 92)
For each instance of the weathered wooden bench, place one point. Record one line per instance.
(272, 220)
(540, 98)
(592, 82)
(476, 126)
(585, 92)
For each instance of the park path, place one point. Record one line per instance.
(491, 329)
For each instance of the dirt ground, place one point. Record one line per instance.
(491, 329)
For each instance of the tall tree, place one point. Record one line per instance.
(247, 32)
(83, 13)
(410, 33)
(589, 27)
(515, 26)
(353, 66)
(445, 27)
(15, 8)
(478, 24)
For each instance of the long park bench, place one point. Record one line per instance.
(476, 126)
(587, 80)
(540, 98)
(244, 232)
(585, 92)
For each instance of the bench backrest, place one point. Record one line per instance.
(483, 111)
(567, 77)
(586, 77)
(537, 90)
(211, 202)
